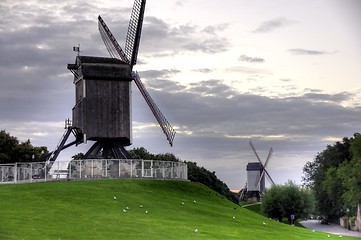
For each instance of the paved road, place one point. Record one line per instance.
(332, 228)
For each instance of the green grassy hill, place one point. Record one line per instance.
(143, 209)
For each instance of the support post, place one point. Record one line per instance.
(15, 172)
(106, 168)
(142, 168)
(92, 169)
(118, 168)
(131, 168)
(31, 172)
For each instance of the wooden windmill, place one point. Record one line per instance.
(102, 112)
(256, 173)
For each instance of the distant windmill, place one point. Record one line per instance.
(102, 112)
(256, 172)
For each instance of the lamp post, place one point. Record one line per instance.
(348, 218)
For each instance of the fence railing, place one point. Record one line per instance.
(92, 169)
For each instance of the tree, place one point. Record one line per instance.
(204, 176)
(12, 151)
(335, 177)
(142, 153)
(280, 201)
(316, 173)
(78, 156)
(350, 175)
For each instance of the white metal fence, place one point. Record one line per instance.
(92, 169)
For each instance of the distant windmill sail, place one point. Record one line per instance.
(264, 170)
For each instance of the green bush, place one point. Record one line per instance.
(280, 201)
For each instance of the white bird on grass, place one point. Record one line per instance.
(146, 212)
(115, 198)
(141, 206)
(196, 230)
(264, 223)
(124, 210)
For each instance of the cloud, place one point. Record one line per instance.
(203, 70)
(300, 51)
(215, 121)
(273, 24)
(217, 108)
(159, 74)
(159, 36)
(245, 58)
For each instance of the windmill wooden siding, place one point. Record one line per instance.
(103, 88)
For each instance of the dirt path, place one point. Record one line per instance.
(331, 228)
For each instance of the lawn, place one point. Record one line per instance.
(143, 209)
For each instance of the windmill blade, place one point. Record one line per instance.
(269, 177)
(254, 150)
(134, 31)
(164, 124)
(110, 42)
(267, 161)
(268, 157)
(260, 178)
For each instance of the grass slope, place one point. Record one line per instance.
(87, 210)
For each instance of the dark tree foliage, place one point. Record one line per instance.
(202, 175)
(78, 156)
(280, 201)
(195, 173)
(334, 177)
(142, 153)
(11, 150)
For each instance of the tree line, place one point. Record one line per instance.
(12, 150)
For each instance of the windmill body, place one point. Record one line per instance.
(254, 180)
(102, 99)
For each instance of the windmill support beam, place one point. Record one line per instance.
(61, 146)
(107, 149)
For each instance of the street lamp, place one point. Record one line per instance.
(348, 218)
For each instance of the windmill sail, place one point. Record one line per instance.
(110, 42)
(264, 170)
(130, 57)
(134, 31)
(164, 124)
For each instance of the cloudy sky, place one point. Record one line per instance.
(284, 74)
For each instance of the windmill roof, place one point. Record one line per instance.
(101, 68)
(104, 60)
(254, 166)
